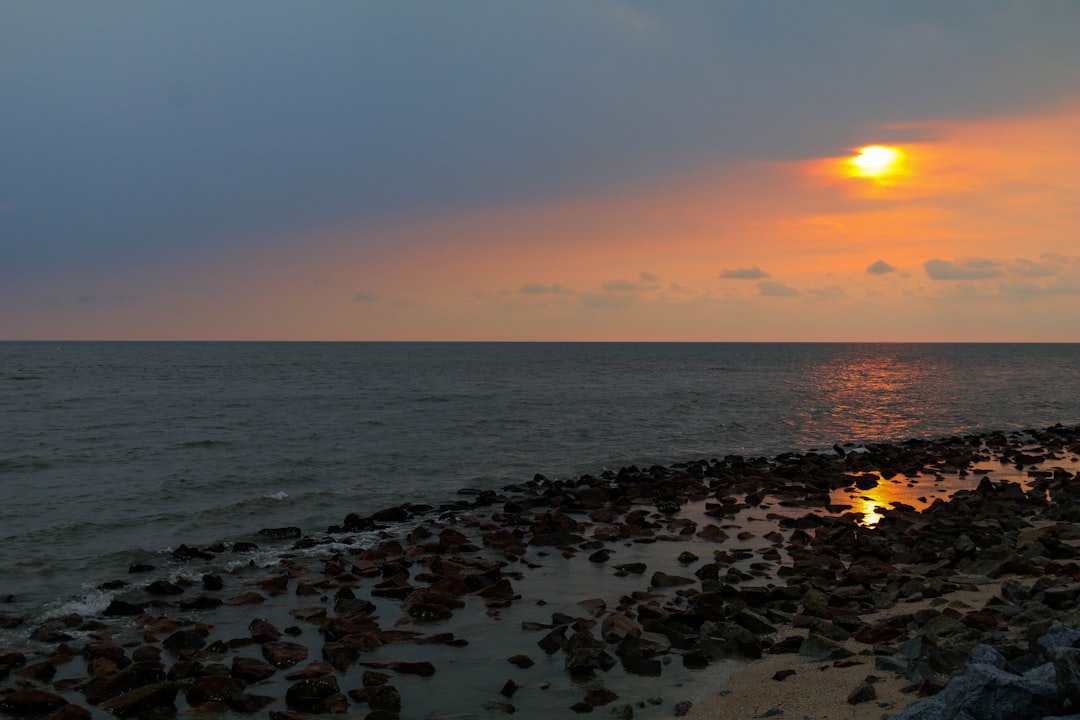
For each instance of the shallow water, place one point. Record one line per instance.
(113, 453)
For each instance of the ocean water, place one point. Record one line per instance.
(112, 453)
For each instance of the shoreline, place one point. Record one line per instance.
(597, 574)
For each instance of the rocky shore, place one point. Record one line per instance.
(600, 589)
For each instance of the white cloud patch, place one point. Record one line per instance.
(965, 269)
(775, 288)
(880, 268)
(750, 273)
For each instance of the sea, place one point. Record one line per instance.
(113, 453)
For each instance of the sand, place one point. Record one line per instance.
(820, 690)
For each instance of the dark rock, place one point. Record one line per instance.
(509, 688)
(283, 654)
(313, 696)
(817, 648)
(29, 701)
(522, 661)
(863, 692)
(189, 639)
(782, 675)
(151, 697)
(185, 553)
(263, 632)
(140, 568)
(120, 608)
(281, 533)
(102, 688)
(423, 669)
(663, 580)
(598, 696)
(210, 688)
(164, 587)
(213, 582)
(251, 670)
(200, 602)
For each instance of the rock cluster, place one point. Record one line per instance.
(807, 589)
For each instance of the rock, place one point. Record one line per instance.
(817, 648)
(663, 580)
(120, 608)
(151, 697)
(617, 626)
(313, 696)
(188, 639)
(200, 602)
(185, 553)
(281, 533)
(500, 706)
(682, 708)
(69, 712)
(423, 669)
(522, 661)
(283, 654)
(985, 692)
(99, 689)
(29, 701)
(598, 696)
(251, 670)
(863, 692)
(378, 697)
(263, 632)
(1066, 662)
(313, 670)
(210, 688)
(782, 675)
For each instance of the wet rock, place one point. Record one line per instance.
(318, 695)
(312, 670)
(164, 587)
(422, 669)
(149, 698)
(30, 702)
(185, 553)
(212, 582)
(248, 598)
(210, 688)
(509, 688)
(200, 602)
(284, 654)
(189, 639)
(69, 712)
(599, 696)
(522, 661)
(378, 697)
(663, 580)
(120, 608)
(99, 689)
(251, 670)
(500, 706)
(262, 631)
(281, 533)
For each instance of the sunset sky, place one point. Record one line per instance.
(555, 170)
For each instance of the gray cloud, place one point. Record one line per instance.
(646, 281)
(966, 269)
(193, 129)
(538, 289)
(775, 288)
(363, 297)
(880, 268)
(750, 273)
(1027, 268)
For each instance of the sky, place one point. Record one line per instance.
(565, 170)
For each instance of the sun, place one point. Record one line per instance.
(876, 162)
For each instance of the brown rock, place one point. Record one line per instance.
(313, 670)
(283, 654)
(28, 701)
(248, 598)
(263, 632)
(313, 696)
(158, 695)
(251, 670)
(210, 688)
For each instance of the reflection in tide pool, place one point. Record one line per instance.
(918, 492)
